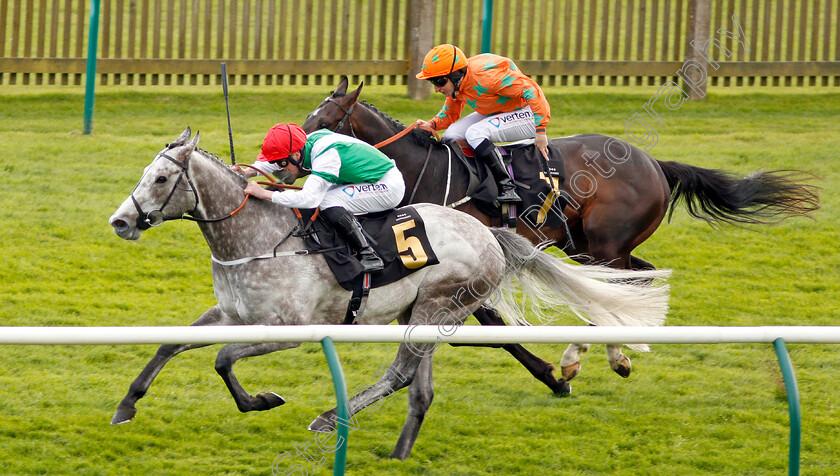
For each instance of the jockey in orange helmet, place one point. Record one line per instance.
(508, 106)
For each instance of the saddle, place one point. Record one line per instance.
(528, 169)
(398, 236)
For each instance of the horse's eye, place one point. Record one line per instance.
(161, 179)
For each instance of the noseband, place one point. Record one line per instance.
(155, 217)
(344, 119)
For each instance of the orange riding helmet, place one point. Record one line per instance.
(442, 60)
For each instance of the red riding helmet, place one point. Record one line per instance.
(282, 141)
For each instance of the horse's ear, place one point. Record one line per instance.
(341, 89)
(184, 137)
(354, 96)
(191, 145)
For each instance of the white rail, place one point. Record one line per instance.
(777, 335)
(418, 334)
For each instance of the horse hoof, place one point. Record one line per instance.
(321, 425)
(123, 415)
(570, 371)
(271, 400)
(622, 367)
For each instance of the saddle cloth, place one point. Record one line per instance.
(399, 237)
(537, 196)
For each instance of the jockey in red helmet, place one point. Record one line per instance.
(347, 176)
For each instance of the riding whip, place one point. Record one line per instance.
(547, 171)
(227, 108)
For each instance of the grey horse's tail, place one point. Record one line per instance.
(543, 284)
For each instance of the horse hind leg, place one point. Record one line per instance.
(224, 366)
(607, 252)
(398, 375)
(619, 362)
(421, 392)
(570, 362)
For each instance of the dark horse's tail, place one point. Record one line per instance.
(721, 197)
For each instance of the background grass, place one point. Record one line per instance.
(687, 409)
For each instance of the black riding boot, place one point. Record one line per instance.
(487, 152)
(349, 227)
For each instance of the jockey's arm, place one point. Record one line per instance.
(309, 196)
(449, 113)
(541, 143)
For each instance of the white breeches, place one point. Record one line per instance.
(367, 197)
(502, 127)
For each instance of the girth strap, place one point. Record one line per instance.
(361, 289)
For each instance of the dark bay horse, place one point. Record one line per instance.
(618, 196)
(258, 281)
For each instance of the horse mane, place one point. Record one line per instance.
(420, 137)
(210, 155)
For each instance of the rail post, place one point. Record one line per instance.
(341, 407)
(90, 76)
(487, 27)
(793, 405)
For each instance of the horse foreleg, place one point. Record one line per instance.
(224, 366)
(539, 368)
(570, 362)
(398, 375)
(618, 361)
(420, 395)
(138, 388)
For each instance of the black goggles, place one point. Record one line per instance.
(439, 81)
(288, 160)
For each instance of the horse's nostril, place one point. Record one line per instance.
(119, 224)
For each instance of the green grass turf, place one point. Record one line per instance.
(686, 409)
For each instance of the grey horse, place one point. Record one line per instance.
(254, 287)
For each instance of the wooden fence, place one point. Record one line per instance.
(560, 42)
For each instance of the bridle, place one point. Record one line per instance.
(344, 120)
(399, 135)
(145, 220)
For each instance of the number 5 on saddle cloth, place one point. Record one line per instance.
(398, 236)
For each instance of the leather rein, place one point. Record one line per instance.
(345, 120)
(155, 217)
